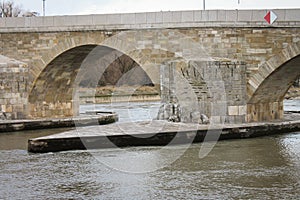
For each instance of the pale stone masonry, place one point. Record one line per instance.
(13, 88)
(214, 88)
(258, 61)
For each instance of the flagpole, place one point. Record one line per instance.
(44, 10)
(203, 4)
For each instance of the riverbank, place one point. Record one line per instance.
(90, 119)
(112, 94)
(155, 133)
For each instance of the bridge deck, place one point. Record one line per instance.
(153, 133)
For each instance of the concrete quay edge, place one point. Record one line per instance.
(24, 125)
(172, 133)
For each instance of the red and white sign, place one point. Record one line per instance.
(271, 17)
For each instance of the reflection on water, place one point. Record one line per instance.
(264, 167)
(260, 168)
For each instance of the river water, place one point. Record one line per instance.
(260, 168)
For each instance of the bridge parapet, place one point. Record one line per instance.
(151, 20)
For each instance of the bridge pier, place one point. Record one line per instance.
(216, 89)
(13, 89)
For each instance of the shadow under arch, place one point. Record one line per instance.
(267, 88)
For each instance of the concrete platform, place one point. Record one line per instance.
(153, 133)
(91, 119)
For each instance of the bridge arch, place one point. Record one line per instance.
(135, 44)
(53, 92)
(267, 87)
(54, 74)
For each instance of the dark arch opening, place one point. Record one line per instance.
(52, 94)
(267, 102)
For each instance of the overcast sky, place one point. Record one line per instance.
(76, 7)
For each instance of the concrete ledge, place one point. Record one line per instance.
(171, 19)
(92, 120)
(144, 134)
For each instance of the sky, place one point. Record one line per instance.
(82, 7)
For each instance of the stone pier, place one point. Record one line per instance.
(216, 89)
(13, 88)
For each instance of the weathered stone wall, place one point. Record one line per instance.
(254, 46)
(13, 88)
(215, 89)
(253, 42)
(272, 82)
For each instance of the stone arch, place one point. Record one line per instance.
(62, 46)
(267, 87)
(144, 47)
(52, 94)
(131, 43)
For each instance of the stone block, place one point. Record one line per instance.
(159, 17)
(48, 21)
(231, 16)
(195, 117)
(9, 109)
(39, 22)
(239, 119)
(3, 108)
(187, 16)
(70, 20)
(215, 119)
(140, 18)
(244, 15)
(10, 22)
(114, 19)
(59, 21)
(205, 18)
(291, 15)
(197, 16)
(219, 108)
(209, 15)
(177, 17)
(243, 110)
(85, 20)
(221, 16)
(100, 19)
(233, 110)
(258, 15)
(151, 17)
(2, 22)
(128, 18)
(230, 119)
(167, 17)
(19, 22)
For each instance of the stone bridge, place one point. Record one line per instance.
(229, 65)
